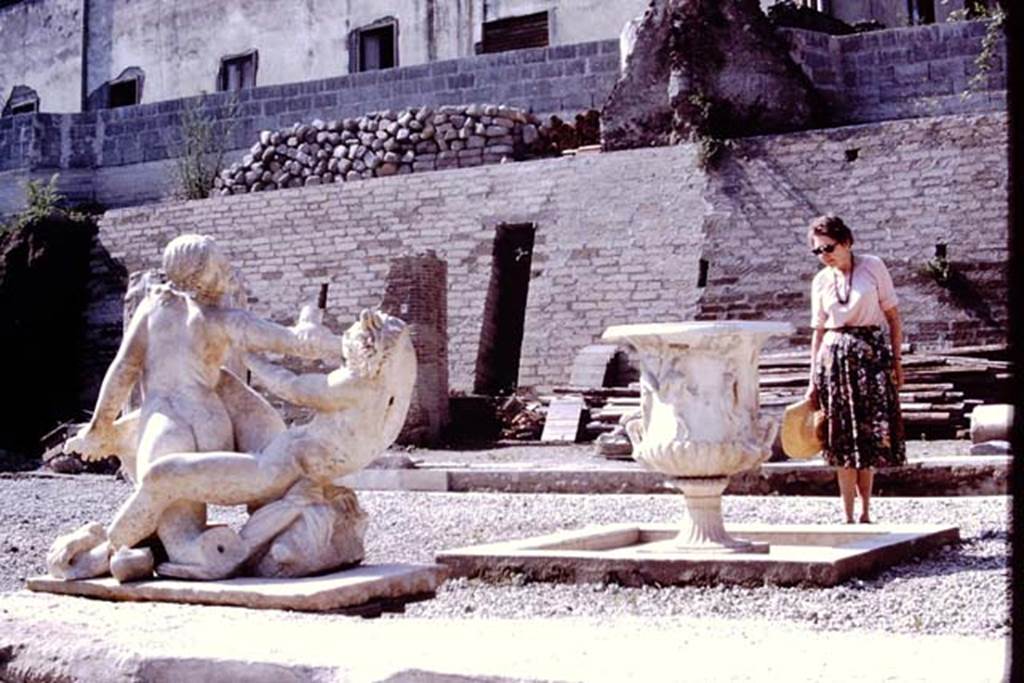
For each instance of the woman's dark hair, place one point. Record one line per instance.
(829, 226)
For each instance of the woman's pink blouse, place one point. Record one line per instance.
(872, 293)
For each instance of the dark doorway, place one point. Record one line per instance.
(501, 332)
(921, 11)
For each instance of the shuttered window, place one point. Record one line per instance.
(377, 48)
(515, 33)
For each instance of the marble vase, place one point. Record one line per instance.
(699, 420)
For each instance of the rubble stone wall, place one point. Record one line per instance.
(619, 235)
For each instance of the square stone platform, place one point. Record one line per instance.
(633, 555)
(367, 590)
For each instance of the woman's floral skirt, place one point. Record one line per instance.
(854, 379)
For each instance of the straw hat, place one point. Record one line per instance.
(799, 431)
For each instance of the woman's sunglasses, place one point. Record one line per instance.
(826, 249)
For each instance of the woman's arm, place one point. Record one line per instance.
(892, 317)
(819, 334)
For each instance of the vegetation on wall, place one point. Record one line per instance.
(42, 201)
(203, 142)
(962, 292)
(986, 61)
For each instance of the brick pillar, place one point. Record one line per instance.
(417, 292)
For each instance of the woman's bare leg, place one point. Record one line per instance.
(847, 478)
(865, 482)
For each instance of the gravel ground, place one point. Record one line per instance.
(960, 590)
(550, 454)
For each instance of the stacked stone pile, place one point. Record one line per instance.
(383, 144)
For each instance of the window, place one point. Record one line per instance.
(25, 107)
(237, 72)
(515, 33)
(921, 11)
(123, 94)
(376, 47)
(23, 100)
(126, 89)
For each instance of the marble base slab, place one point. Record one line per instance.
(367, 590)
(633, 555)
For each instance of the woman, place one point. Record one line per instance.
(856, 369)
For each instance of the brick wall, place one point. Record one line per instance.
(619, 235)
(911, 184)
(615, 233)
(417, 292)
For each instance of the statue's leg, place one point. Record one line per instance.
(82, 554)
(221, 478)
(182, 521)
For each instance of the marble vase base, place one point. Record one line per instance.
(738, 545)
(702, 529)
(634, 555)
(367, 590)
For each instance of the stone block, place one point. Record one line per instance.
(461, 80)
(341, 590)
(635, 555)
(991, 423)
(444, 68)
(995, 447)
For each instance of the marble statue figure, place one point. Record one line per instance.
(201, 436)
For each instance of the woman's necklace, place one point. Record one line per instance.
(849, 284)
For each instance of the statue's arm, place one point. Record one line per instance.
(125, 370)
(253, 334)
(313, 390)
(99, 438)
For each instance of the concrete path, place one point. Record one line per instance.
(933, 469)
(48, 638)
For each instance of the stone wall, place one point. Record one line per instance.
(17, 137)
(41, 47)
(883, 75)
(619, 235)
(902, 187)
(614, 233)
(128, 149)
(901, 73)
(179, 45)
